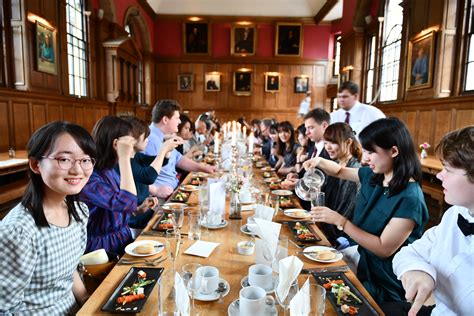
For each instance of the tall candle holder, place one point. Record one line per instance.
(235, 211)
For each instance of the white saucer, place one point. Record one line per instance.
(246, 231)
(233, 310)
(223, 224)
(130, 249)
(214, 295)
(245, 282)
(282, 192)
(321, 248)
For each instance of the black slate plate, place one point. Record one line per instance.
(365, 309)
(131, 277)
(162, 218)
(292, 224)
(185, 194)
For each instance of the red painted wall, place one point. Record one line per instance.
(345, 24)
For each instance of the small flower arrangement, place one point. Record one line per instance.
(425, 146)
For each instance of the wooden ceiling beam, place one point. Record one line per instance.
(327, 7)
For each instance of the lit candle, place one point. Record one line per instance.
(251, 143)
(224, 130)
(216, 143)
(234, 136)
(244, 132)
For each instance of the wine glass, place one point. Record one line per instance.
(177, 217)
(173, 242)
(204, 207)
(317, 299)
(285, 302)
(192, 281)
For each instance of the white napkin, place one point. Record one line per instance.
(182, 298)
(264, 212)
(289, 269)
(299, 304)
(268, 232)
(202, 248)
(216, 196)
(245, 196)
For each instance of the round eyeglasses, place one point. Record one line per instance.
(67, 163)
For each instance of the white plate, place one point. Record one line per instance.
(200, 175)
(233, 310)
(131, 247)
(223, 224)
(245, 282)
(294, 213)
(214, 295)
(321, 248)
(246, 231)
(267, 168)
(282, 192)
(171, 205)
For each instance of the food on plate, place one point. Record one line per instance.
(325, 255)
(166, 223)
(274, 186)
(144, 249)
(303, 232)
(344, 297)
(181, 196)
(196, 181)
(285, 202)
(267, 174)
(134, 292)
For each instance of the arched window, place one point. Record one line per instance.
(337, 55)
(391, 51)
(469, 72)
(76, 47)
(370, 69)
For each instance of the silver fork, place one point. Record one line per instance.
(141, 260)
(297, 245)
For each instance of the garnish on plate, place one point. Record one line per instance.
(344, 296)
(134, 292)
(303, 232)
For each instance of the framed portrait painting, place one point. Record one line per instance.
(242, 83)
(46, 60)
(196, 37)
(272, 82)
(289, 39)
(301, 84)
(243, 39)
(212, 82)
(420, 62)
(185, 82)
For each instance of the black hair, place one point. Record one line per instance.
(105, 131)
(274, 129)
(387, 133)
(185, 119)
(164, 108)
(319, 115)
(301, 129)
(139, 126)
(39, 145)
(286, 126)
(350, 86)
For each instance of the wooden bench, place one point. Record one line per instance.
(10, 193)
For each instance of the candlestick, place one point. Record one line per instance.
(251, 143)
(216, 142)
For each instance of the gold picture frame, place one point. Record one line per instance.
(420, 61)
(46, 49)
(242, 83)
(289, 39)
(272, 82)
(212, 81)
(185, 82)
(243, 39)
(196, 37)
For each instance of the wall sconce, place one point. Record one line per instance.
(194, 18)
(100, 14)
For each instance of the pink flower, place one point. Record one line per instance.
(425, 145)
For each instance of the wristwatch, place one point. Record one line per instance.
(341, 226)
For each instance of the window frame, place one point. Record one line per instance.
(468, 37)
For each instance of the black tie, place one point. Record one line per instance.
(466, 227)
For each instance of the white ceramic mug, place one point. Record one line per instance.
(253, 300)
(215, 219)
(260, 275)
(210, 279)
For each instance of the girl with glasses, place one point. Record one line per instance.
(44, 236)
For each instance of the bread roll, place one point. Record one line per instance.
(326, 255)
(144, 249)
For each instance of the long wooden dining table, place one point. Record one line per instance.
(232, 266)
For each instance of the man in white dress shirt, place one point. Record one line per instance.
(357, 115)
(442, 260)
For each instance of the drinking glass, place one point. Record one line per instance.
(194, 228)
(173, 242)
(204, 207)
(275, 199)
(192, 281)
(317, 199)
(167, 294)
(285, 303)
(317, 298)
(177, 217)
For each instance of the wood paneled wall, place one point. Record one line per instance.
(21, 113)
(282, 105)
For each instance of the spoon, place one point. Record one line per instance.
(221, 288)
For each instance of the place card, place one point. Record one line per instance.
(202, 248)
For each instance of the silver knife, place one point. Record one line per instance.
(327, 269)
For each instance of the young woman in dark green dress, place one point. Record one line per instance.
(390, 211)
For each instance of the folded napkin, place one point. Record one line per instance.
(202, 248)
(216, 196)
(245, 196)
(182, 297)
(289, 269)
(264, 212)
(299, 304)
(268, 232)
